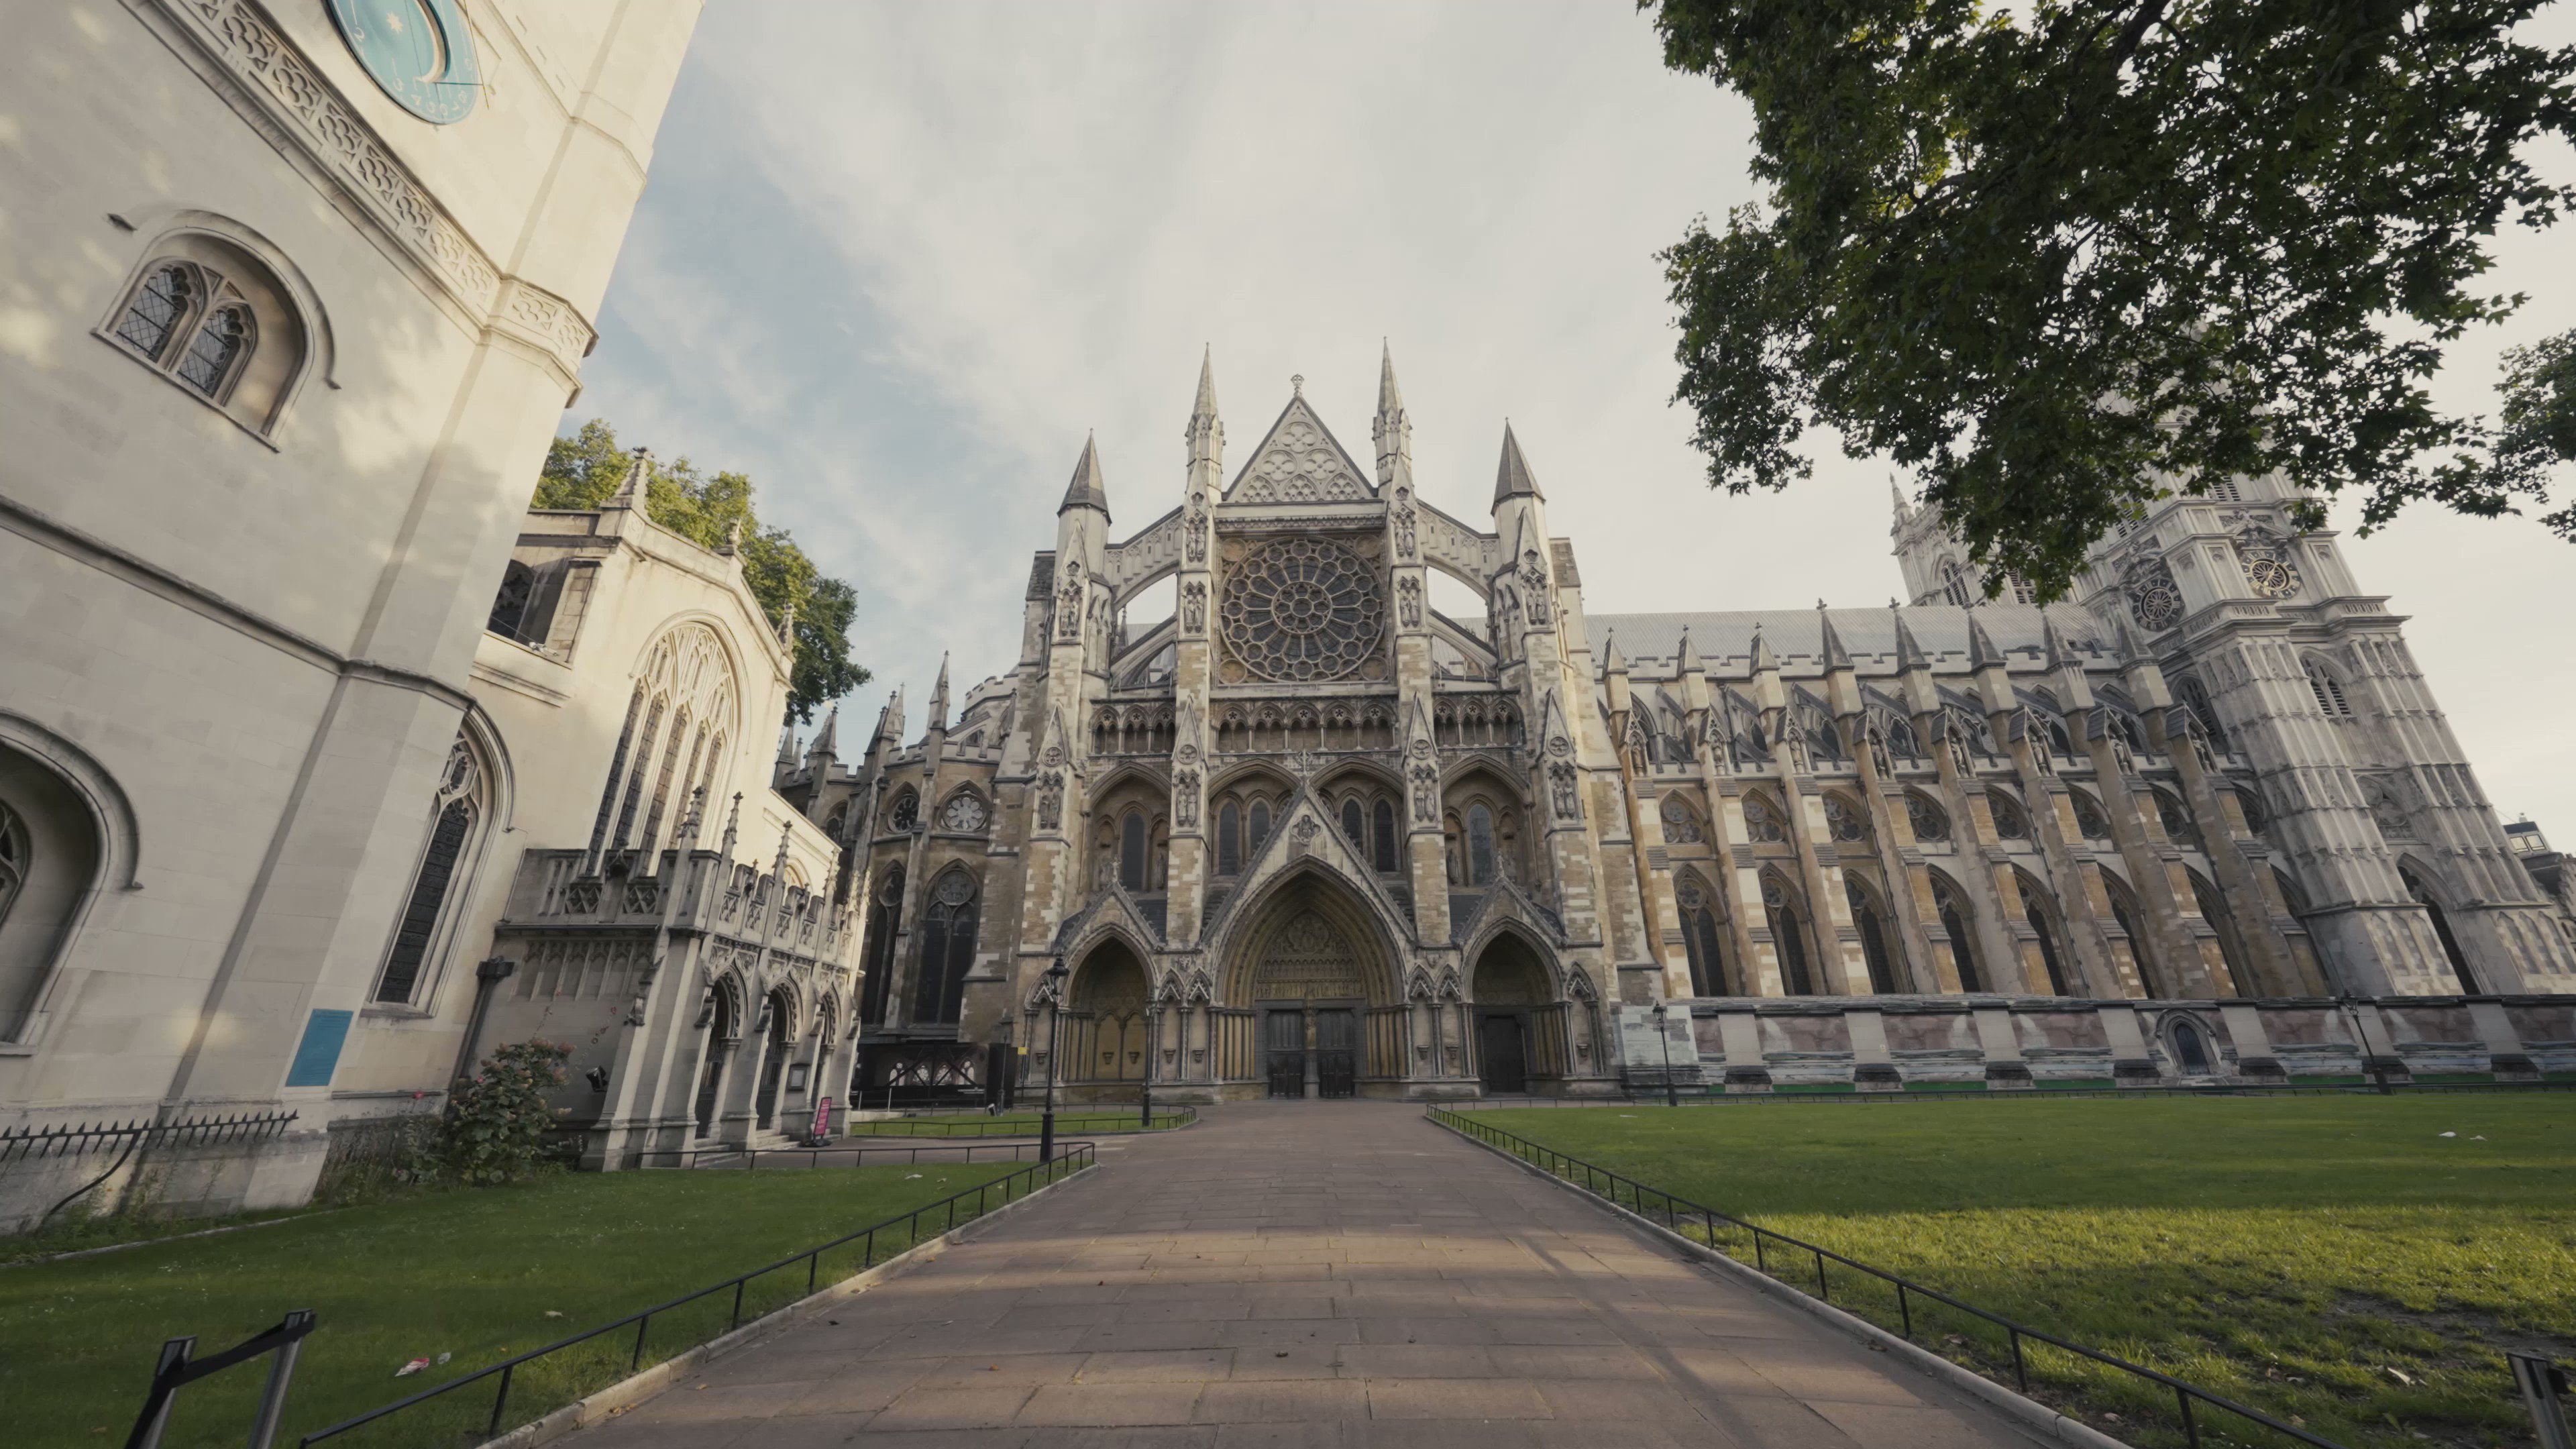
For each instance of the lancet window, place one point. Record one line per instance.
(947, 950)
(424, 934)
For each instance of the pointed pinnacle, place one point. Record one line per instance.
(1909, 653)
(1763, 658)
(1390, 399)
(1836, 656)
(1512, 477)
(1686, 658)
(630, 489)
(1612, 661)
(1205, 406)
(1088, 489)
(1981, 646)
(2053, 643)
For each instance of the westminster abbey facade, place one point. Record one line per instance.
(1311, 836)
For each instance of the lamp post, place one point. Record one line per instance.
(1672, 1097)
(1153, 1047)
(1055, 975)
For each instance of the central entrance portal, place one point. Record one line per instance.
(1309, 989)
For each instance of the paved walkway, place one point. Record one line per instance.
(1322, 1275)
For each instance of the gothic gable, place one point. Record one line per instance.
(1299, 462)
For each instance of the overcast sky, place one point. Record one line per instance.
(895, 260)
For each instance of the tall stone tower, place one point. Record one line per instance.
(2384, 842)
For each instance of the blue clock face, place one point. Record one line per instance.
(420, 51)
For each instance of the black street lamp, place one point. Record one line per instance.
(1055, 975)
(1672, 1096)
(1153, 1046)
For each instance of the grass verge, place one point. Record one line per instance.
(2338, 1262)
(472, 1274)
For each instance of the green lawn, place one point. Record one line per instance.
(2336, 1259)
(473, 1274)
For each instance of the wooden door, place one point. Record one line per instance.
(1502, 1058)
(1283, 1050)
(1337, 1052)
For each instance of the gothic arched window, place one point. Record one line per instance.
(1930, 821)
(1386, 841)
(1788, 933)
(1873, 937)
(906, 811)
(2010, 823)
(212, 318)
(1954, 925)
(1681, 827)
(1762, 820)
(2423, 895)
(2328, 691)
(2037, 915)
(1700, 938)
(17, 855)
(885, 917)
(1260, 827)
(2125, 912)
(1480, 845)
(2089, 817)
(947, 950)
(1355, 823)
(426, 929)
(1131, 850)
(1229, 838)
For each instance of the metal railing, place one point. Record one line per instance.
(1680, 1215)
(1709, 1095)
(1072, 1157)
(748, 1159)
(178, 1368)
(21, 1144)
(976, 1125)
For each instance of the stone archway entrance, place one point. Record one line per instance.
(1312, 1000)
(1511, 998)
(1106, 1024)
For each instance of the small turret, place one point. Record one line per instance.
(1913, 667)
(1994, 680)
(1392, 430)
(1842, 681)
(938, 723)
(1206, 434)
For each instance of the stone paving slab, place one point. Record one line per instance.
(1319, 1275)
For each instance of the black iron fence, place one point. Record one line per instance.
(131, 1140)
(1021, 1124)
(1702, 1224)
(1709, 1095)
(590, 1356)
(749, 1159)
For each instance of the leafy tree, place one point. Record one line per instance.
(585, 470)
(497, 1119)
(2539, 425)
(2063, 262)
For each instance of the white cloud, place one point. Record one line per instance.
(896, 260)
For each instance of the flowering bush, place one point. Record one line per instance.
(497, 1120)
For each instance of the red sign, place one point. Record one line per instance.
(823, 1118)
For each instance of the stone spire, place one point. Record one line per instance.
(1512, 478)
(787, 747)
(890, 723)
(827, 740)
(1896, 493)
(1763, 658)
(1088, 489)
(1612, 661)
(1685, 657)
(1206, 435)
(1392, 431)
(939, 696)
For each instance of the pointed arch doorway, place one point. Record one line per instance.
(1317, 996)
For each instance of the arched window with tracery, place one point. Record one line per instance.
(2195, 697)
(947, 950)
(1387, 850)
(677, 721)
(1480, 844)
(1681, 824)
(1131, 850)
(1229, 838)
(17, 853)
(1709, 976)
(207, 315)
(1788, 936)
(425, 932)
(2036, 912)
(1355, 823)
(1257, 827)
(1954, 926)
(1873, 936)
(2328, 691)
(885, 917)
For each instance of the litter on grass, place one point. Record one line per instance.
(413, 1367)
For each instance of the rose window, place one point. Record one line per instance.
(2155, 599)
(1303, 609)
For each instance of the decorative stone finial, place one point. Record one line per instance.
(1297, 385)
